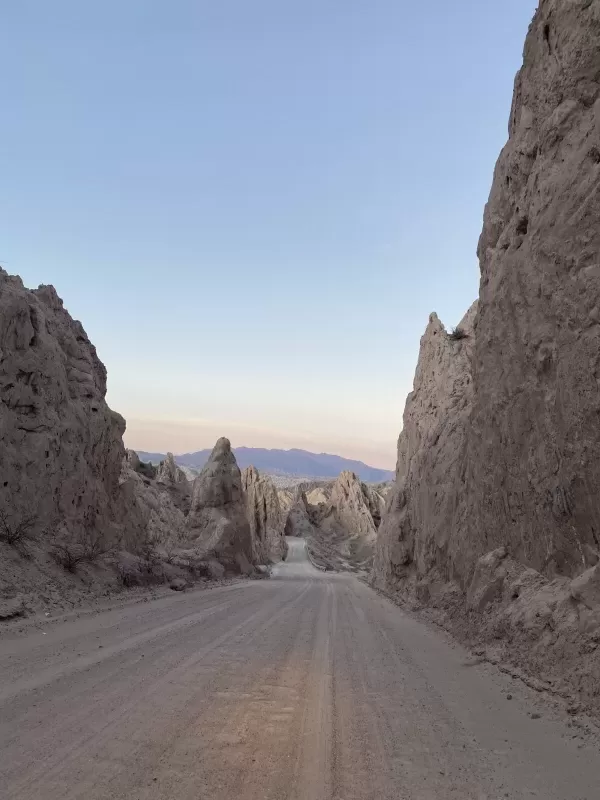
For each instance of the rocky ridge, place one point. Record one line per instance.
(79, 515)
(493, 519)
(338, 519)
(62, 445)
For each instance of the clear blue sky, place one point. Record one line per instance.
(254, 206)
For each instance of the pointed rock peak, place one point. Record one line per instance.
(220, 482)
(222, 448)
(346, 483)
(169, 472)
(250, 475)
(348, 477)
(434, 321)
(217, 516)
(132, 459)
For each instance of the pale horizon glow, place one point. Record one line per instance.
(254, 207)
(188, 436)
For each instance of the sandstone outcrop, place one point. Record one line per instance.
(217, 523)
(494, 517)
(532, 462)
(298, 522)
(265, 517)
(160, 517)
(62, 446)
(175, 482)
(339, 520)
(350, 508)
(417, 529)
(170, 474)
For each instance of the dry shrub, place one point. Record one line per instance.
(456, 334)
(68, 555)
(18, 532)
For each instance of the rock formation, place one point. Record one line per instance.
(532, 461)
(339, 521)
(156, 505)
(169, 473)
(265, 516)
(175, 482)
(416, 533)
(297, 521)
(495, 511)
(62, 446)
(286, 499)
(349, 507)
(217, 522)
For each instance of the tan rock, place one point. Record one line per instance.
(349, 506)
(342, 528)
(532, 463)
(265, 516)
(160, 518)
(217, 521)
(62, 446)
(493, 519)
(586, 588)
(418, 524)
(169, 473)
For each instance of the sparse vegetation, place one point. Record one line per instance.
(94, 544)
(18, 532)
(146, 469)
(147, 550)
(458, 333)
(68, 555)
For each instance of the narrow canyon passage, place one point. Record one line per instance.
(307, 686)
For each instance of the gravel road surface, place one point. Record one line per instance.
(308, 686)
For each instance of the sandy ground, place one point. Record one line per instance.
(306, 686)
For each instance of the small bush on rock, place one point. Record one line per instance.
(456, 334)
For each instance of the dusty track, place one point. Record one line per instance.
(308, 686)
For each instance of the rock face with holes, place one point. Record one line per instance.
(265, 517)
(217, 523)
(62, 446)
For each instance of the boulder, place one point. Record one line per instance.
(586, 588)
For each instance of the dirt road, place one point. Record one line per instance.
(307, 686)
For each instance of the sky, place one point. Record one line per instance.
(254, 206)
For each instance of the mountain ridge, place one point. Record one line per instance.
(284, 462)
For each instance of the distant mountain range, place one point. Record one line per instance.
(283, 462)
